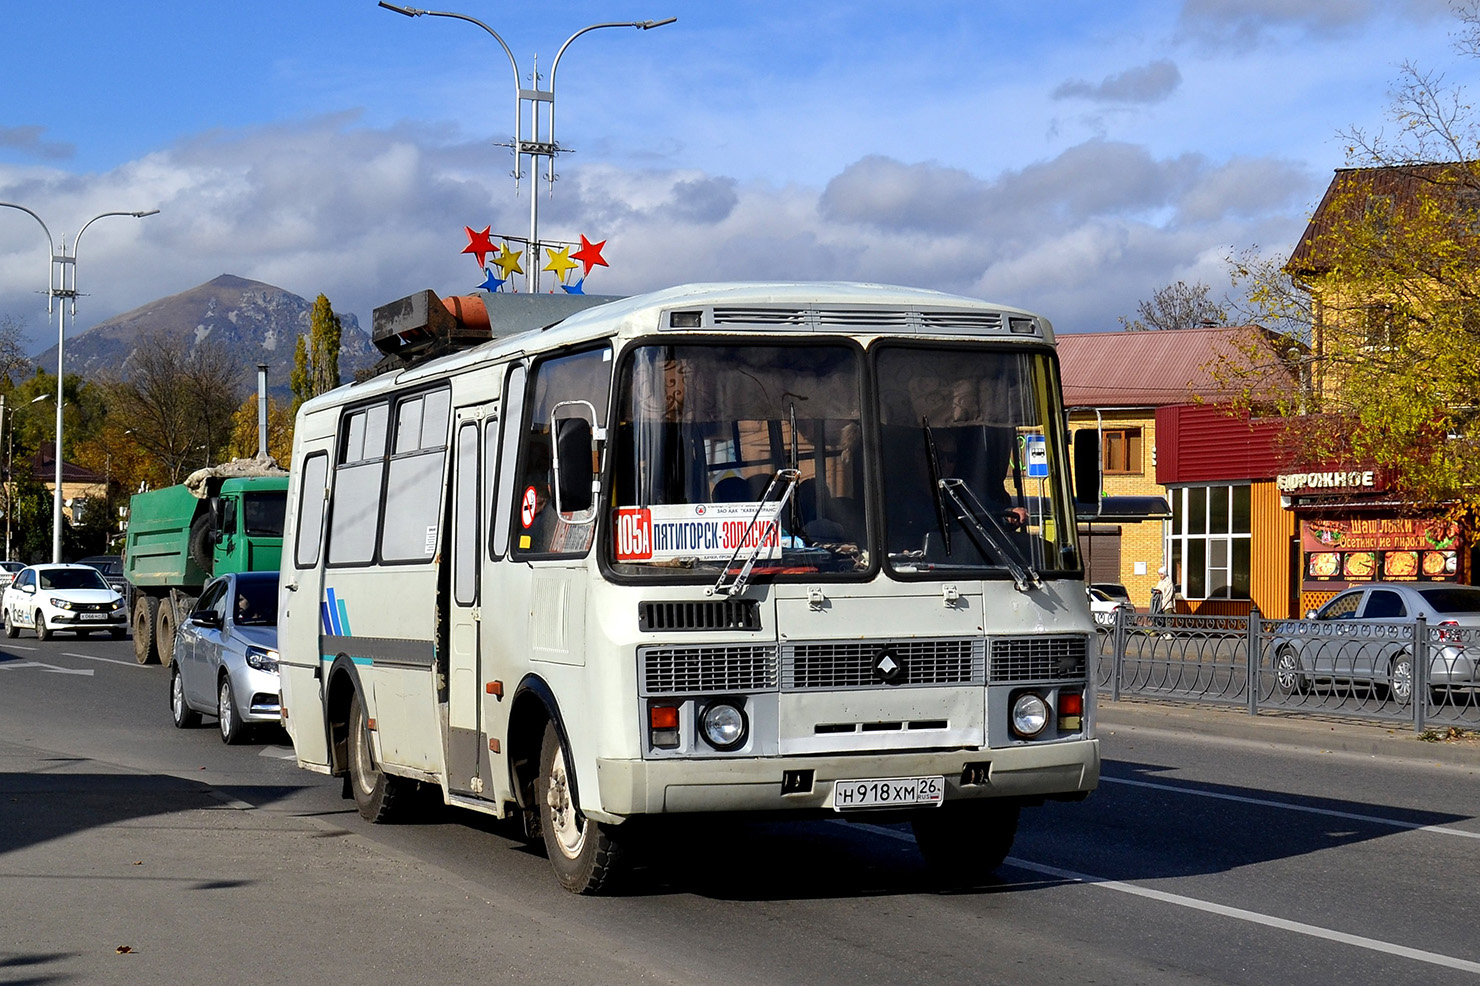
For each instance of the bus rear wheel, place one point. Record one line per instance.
(584, 853)
(379, 796)
(965, 842)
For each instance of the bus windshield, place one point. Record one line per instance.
(743, 453)
(974, 464)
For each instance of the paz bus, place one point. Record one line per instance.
(800, 549)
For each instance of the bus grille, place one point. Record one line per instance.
(850, 664)
(680, 670)
(1037, 658)
(725, 614)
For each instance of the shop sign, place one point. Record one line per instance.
(1396, 549)
(1302, 482)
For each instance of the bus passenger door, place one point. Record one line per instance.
(467, 760)
(302, 610)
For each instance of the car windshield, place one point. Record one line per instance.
(1452, 599)
(107, 567)
(11, 566)
(256, 603)
(744, 452)
(71, 578)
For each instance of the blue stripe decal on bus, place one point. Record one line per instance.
(333, 612)
(324, 623)
(344, 629)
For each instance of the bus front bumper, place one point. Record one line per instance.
(650, 787)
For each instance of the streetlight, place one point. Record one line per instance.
(533, 148)
(57, 288)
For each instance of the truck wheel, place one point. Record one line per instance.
(379, 796)
(585, 854)
(965, 842)
(164, 632)
(201, 544)
(145, 608)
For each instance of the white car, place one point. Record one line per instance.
(48, 598)
(1102, 606)
(7, 572)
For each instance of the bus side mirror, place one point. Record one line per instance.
(1087, 466)
(573, 472)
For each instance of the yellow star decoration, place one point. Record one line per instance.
(507, 260)
(560, 261)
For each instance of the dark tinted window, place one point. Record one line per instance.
(1384, 604)
(72, 578)
(256, 602)
(263, 513)
(1452, 599)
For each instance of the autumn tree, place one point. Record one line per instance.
(1176, 306)
(1388, 268)
(279, 431)
(316, 356)
(13, 358)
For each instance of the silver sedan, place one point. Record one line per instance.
(226, 660)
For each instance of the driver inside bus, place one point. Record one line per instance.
(995, 463)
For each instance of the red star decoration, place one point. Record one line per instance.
(590, 255)
(479, 245)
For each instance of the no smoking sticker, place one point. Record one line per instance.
(526, 508)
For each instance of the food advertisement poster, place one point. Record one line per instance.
(1338, 553)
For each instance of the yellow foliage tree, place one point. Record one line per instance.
(243, 443)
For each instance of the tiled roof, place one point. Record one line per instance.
(45, 464)
(1160, 367)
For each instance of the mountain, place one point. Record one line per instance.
(255, 322)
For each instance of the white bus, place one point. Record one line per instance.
(789, 548)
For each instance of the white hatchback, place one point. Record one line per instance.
(47, 598)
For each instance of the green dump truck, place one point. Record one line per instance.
(220, 520)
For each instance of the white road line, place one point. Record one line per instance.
(19, 647)
(110, 660)
(1238, 913)
(1265, 803)
(50, 668)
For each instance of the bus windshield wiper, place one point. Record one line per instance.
(954, 498)
(787, 477)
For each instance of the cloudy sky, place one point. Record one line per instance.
(1067, 157)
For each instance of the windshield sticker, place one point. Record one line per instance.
(527, 507)
(701, 531)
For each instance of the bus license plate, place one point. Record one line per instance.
(94, 616)
(887, 792)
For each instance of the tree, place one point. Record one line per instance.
(177, 404)
(316, 356)
(1389, 267)
(1176, 306)
(279, 431)
(13, 358)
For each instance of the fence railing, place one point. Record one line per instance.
(1388, 670)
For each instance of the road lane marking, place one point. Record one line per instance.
(110, 660)
(19, 647)
(1222, 910)
(51, 668)
(1266, 803)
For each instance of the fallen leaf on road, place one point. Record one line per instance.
(124, 949)
(138, 862)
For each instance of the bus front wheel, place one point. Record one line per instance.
(378, 795)
(584, 853)
(966, 841)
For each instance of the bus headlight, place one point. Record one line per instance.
(1029, 715)
(723, 725)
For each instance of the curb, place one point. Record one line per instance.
(1321, 733)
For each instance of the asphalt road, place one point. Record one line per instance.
(1200, 860)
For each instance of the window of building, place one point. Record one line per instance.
(1121, 452)
(1209, 537)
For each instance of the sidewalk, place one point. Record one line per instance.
(1311, 731)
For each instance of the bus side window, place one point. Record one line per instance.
(580, 377)
(513, 420)
(309, 530)
(354, 516)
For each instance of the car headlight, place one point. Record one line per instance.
(262, 659)
(1029, 715)
(61, 603)
(723, 725)
(117, 605)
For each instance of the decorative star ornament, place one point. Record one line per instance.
(590, 255)
(574, 288)
(479, 245)
(507, 261)
(560, 262)
(491, 281)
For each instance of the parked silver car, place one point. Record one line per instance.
(1364, 635)
(226, 660)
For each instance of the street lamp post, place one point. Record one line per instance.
(533, 148)
(59, 289)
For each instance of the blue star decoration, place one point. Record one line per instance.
(574, 288)
(490, 281)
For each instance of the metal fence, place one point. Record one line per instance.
(1385, 670)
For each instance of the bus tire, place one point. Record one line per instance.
(965, 842)
(145, 610)
(379, 796)
(584, 853)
